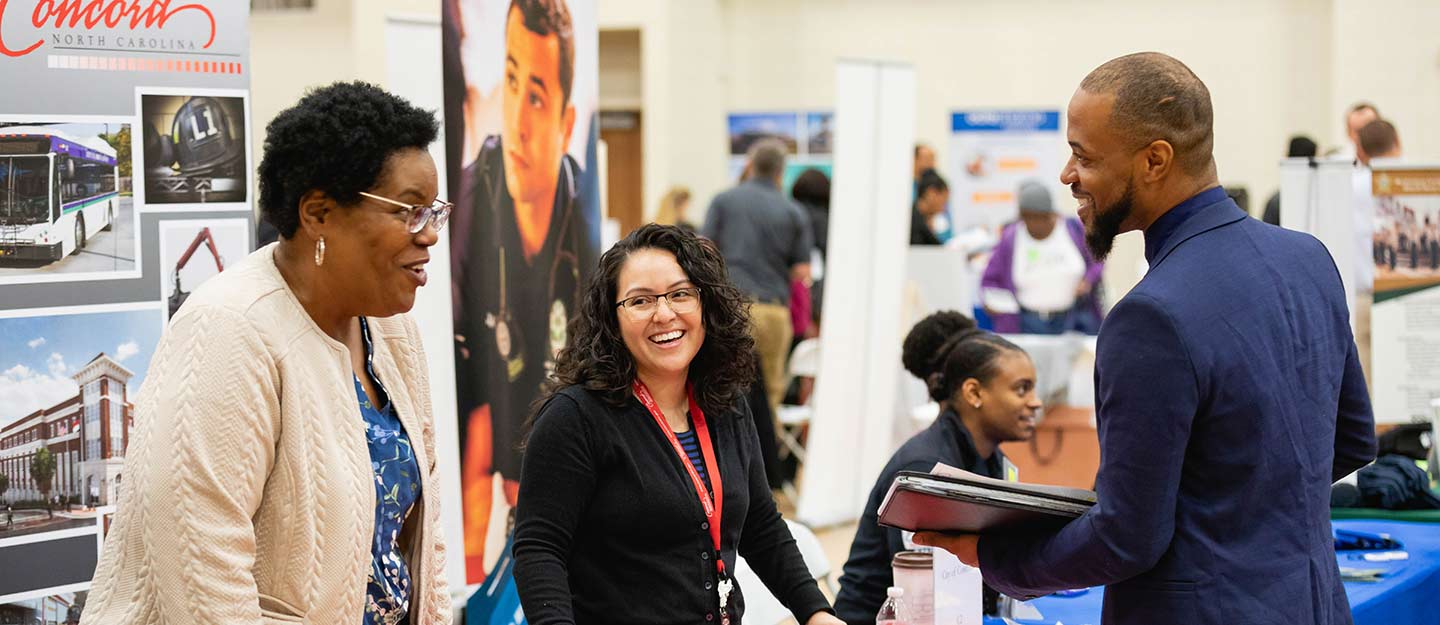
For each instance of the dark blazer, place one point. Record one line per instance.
(608, 528)
(1228, 398)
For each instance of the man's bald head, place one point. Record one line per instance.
(1158, 98)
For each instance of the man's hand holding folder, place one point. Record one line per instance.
(966, 547)
(948, 500)
(949, 508)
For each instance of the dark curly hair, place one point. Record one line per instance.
(595, 356)
(336, 139)
(921, 351)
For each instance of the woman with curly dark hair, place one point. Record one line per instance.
(282, 467)
(642, 477)
(985, 386)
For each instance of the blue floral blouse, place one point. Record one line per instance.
(397, 488)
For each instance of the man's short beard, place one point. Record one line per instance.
(1105, 223)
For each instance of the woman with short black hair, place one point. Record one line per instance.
(282, 466)
(642, 478)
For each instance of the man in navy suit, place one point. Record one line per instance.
(1228, 391)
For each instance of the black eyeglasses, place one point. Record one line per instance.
(681, 301)
(436, 214)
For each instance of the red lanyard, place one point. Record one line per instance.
(702, 432)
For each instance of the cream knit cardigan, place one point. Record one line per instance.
(248, 495)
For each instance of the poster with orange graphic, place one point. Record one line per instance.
(990, 153)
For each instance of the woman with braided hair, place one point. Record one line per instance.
(985, 386)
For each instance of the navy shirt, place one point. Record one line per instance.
(691, 444)
(1159, 232)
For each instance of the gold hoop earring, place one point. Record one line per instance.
(320, 252)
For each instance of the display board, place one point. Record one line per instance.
(809, 136)
(990, 153)
(125, 183)
(1330, 199)
(522, 130)
(1405, 318)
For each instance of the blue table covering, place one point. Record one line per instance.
(1405, 595)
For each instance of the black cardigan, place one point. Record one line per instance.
(608, 528)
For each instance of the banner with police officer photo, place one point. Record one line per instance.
(521, 132)
(116, 118)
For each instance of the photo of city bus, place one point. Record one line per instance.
(57, 191)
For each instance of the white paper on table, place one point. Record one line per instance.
(1000, 301)
(959, 599)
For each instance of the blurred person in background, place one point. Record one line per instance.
(924, 161)
(675, 209)
(1041, 278)
(932, 193)
(1300, 147)
(766, 241)
(811, 190)
(1360, 114)
(1378, 139)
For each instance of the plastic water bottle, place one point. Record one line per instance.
(892, 612)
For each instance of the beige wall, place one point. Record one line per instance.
(1388, 52)
(683, 94)
(291, 51)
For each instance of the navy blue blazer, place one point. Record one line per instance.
(1228, 397)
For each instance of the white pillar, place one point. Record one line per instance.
(855, 408)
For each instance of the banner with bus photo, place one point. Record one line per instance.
(1405, 318)
(124, 184)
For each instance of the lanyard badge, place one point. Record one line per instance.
(712, 505)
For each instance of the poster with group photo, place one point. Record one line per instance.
(521, 81)
(118, 129)
(1405, 318)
